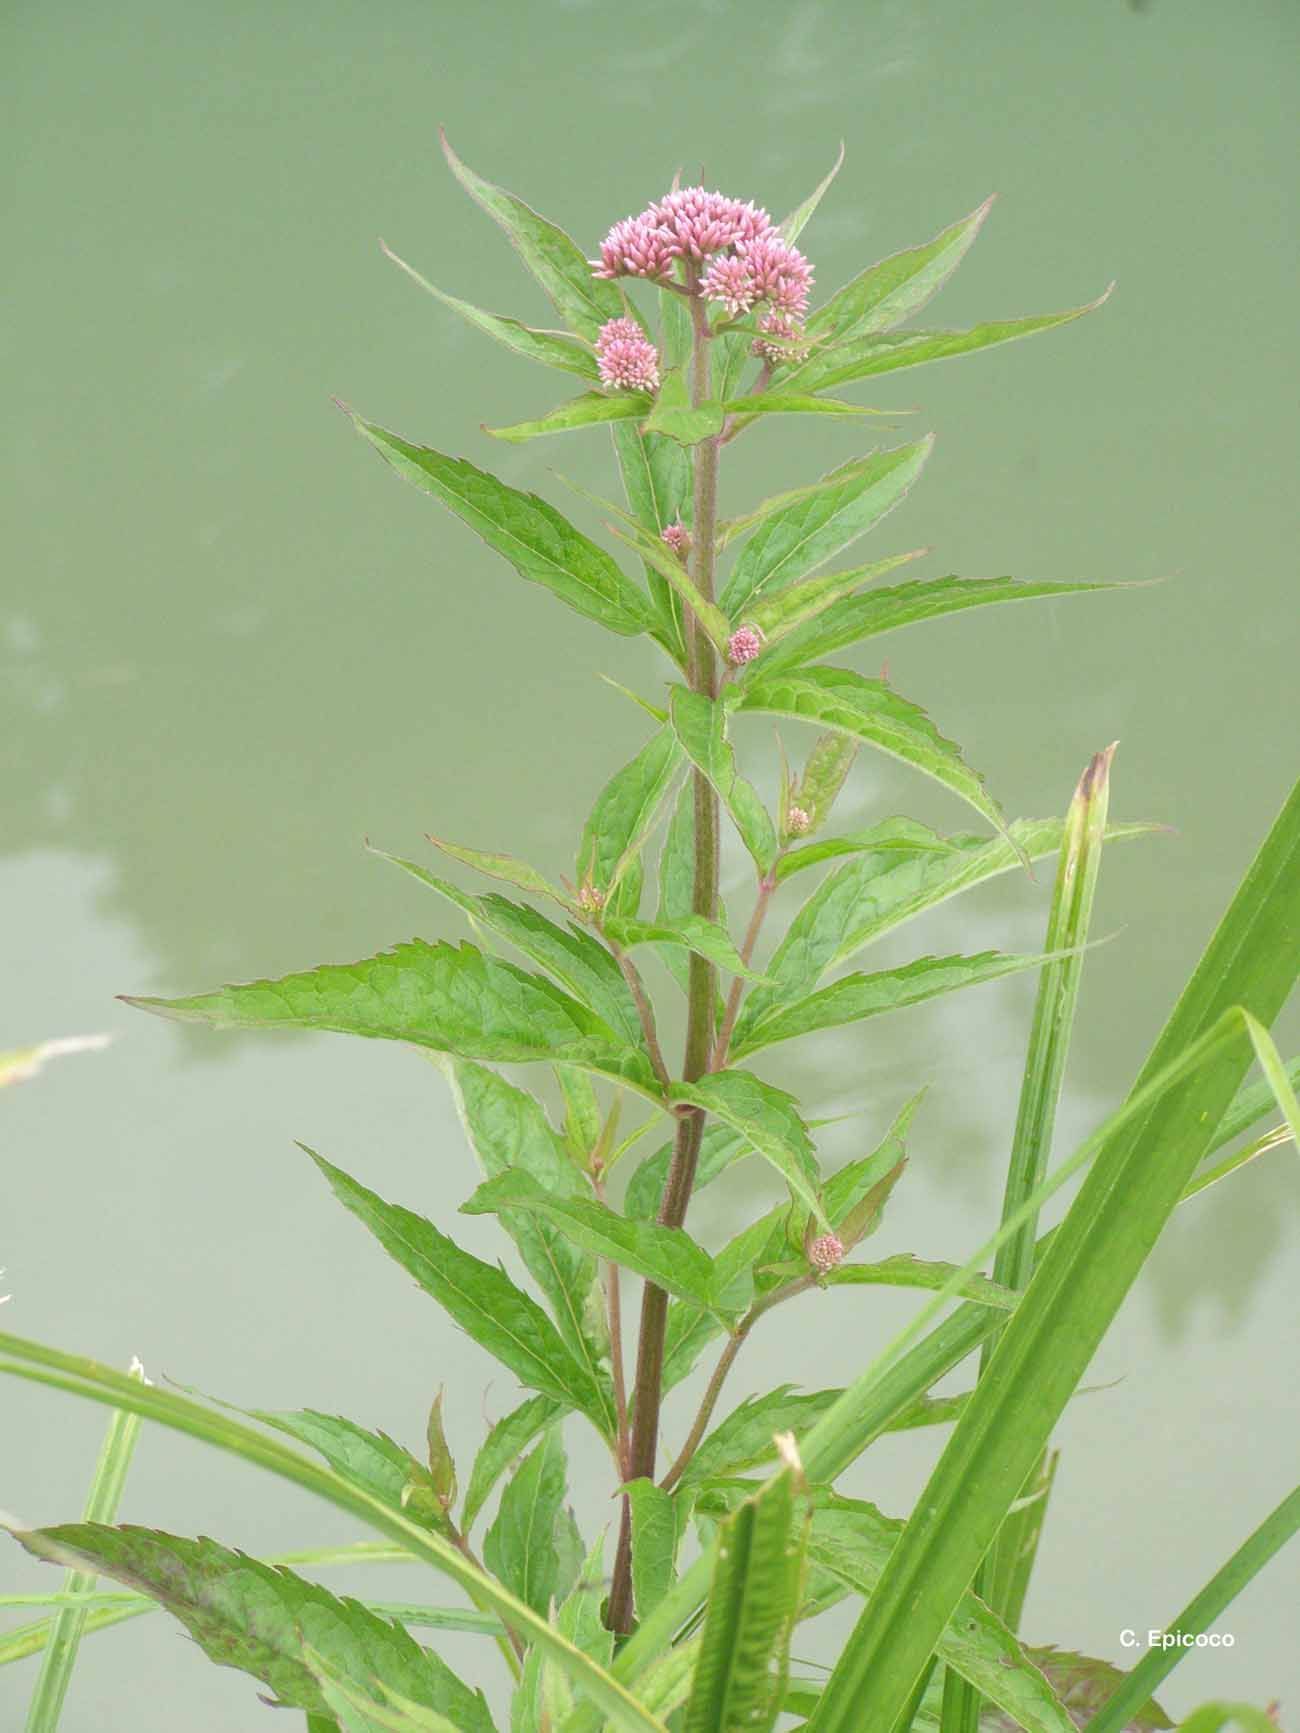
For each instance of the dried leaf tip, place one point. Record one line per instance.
(1097, 773)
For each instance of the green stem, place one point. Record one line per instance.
(702, 673)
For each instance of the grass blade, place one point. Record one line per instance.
(70, 1622)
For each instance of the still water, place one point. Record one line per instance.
(233, 647)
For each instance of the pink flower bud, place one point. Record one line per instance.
(787, 350)
(591, 899)
(797, 821)
(743, 645)
(678, 538)
(627, 358)
(826, 1252)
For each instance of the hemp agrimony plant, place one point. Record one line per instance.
(695, 321)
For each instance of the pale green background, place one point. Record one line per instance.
(233, 646)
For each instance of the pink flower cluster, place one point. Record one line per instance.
(787, 348)
(825, 1253)
(678, 538)
(627, 357)
(746, 260)
(798, 822)
(743, 645)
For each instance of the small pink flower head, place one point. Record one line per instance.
(826, 1252)
(730, 280)
(780, 274)
(797, 821)
(678, 538)
(591, 899)
(636, 247)
(698, 223)
(627, 358)
(743, 645)
(787, 350)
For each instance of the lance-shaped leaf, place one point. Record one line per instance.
(860, 996)
(656, 1529)
(675, 416)
(658, 482)
(865, 357)
(781, 612)
(520, 1546)
(891, 291)
(661, 559)
(751, 1610)
(551, 348)
(744, 1440)
(898, 835)
(853, 1541)
(872, 711)
(257, 1618)
(354, 1710)
(448, 997)
(741, 1273)
(669, 1257)
(509, 1133)
(580, 963)
(539, 542)
(861, 1181)
(625, 813)
(592, 409)
(502, 1447)
(851, 619)
(793, 403)
(585, 302)
(691, 933)
(905, 1271)
(818, 522)
(769, 1119)
(505, 867)
(371, 1460)
(480, 1297)
(796, 222)
(700, 724)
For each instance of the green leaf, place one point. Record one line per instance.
(357, 1711)
(657, 555)
(700, 724)
(540, 543)
(669, 1257)
(905, 1271)
(744, 1440)
(899, 835)
(859, 996)
(794, 224)
(818, 522)
(449, 998)
(887, 293)
(503, 866)
(719, 1147)
(853, 1540)
(793, 403)
(579, 962)
(1011, 1564)
(257, 1618)
(675, 416)
(625, 813)
(866, 356)
(579, 1619)
(753, 1602)
(590, 410)
(1211, 1717)
(784, 610)
(480, 1297)
(1224, 1586)
(370, 1460)
(504, 1444)
(658, 483)
(851, 1186)
(69, 1624)
(519, 1548)
(655, 1533)
(79, 1376)
(692, 933)
(583, 300)
(872, 711)
(849, 620)
(1249, 1105)
(738, 1278)
(1144, 1158)
(551, 348)
(769, 1119)
(509, 1134)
